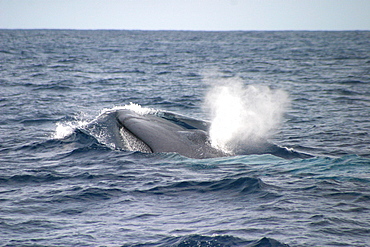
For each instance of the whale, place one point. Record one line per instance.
(167, 132)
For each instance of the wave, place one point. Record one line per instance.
(211, 241)
(239, 185)
(74, 144)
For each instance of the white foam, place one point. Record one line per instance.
(133, 107)
(65, 128)
(242, 113)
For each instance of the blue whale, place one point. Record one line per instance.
(163, 132)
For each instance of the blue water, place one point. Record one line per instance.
(63, 186)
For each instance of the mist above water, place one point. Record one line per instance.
(242, 114)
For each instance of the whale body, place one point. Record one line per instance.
(163, 132)
(167, 132)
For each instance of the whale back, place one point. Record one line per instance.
(168, 132)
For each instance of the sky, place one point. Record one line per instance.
(186, 14)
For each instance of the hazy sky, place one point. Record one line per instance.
(187, 14)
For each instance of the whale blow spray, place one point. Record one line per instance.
(242, 115)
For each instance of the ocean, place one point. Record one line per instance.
(63, 184)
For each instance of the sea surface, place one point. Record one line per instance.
(62, 186)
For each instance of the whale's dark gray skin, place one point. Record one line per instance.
(168, 132)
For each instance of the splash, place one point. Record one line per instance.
(66, 128)
(242, 114)
(63, 130)
(133, 107)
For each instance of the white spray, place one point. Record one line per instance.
(242, 114)
(66, 128)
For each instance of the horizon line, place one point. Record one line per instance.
(194, 30)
